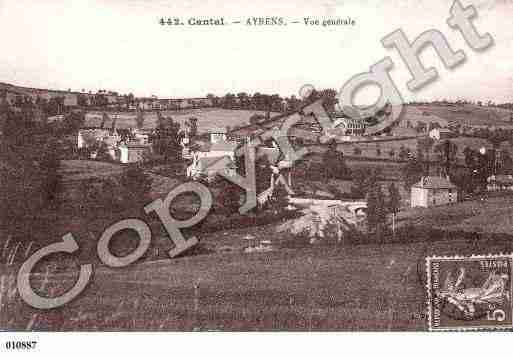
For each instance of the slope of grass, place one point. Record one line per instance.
(360, 287)
(491, 215)
(207, 118)
(470, 115)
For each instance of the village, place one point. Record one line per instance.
(443, 161)
(87, 160)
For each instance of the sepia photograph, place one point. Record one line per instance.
(233, 166)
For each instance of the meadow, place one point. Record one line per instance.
(336, 287)
(207, 118)
(470, 115)
(492, 213)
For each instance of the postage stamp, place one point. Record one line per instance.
(469, 293)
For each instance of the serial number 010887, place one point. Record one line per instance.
(20, 345)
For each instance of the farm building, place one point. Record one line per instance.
(211, 166)
(500, 183)
(433, 191)
(217, 135)
(216, 150)
(88, 137)
(440, 134)
(91, 137)
(132, 152)
(349, 126)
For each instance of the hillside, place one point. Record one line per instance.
(469, 115)
(207, 118)
(318, 288)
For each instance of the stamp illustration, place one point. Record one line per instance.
(469, 293)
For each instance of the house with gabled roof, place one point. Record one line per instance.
(209, 167)
(433, 191)
(208, 153)
(134, 151)
(500, 182)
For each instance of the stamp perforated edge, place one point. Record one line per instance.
(429, 259)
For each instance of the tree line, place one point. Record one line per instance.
(271, 102)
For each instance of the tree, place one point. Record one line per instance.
(243, 99)
(263, 174)
(412, 172)
(394, 202)
(139, 119)
(52, 180)
(376, 210)
(363, 180)
(29, 168)
(166, 140)
(464, 179)
(446, 152)
(433, 125)
(425, 144)
(213, 99)
(193, 127)
(506, 163)
(229, 101)
(334, 164)
(470, 157)
(404, 153)
(89, 196)
(136, 184)
(256, 118)
(228, 199)
(82, 100)
(329, 97)
(102, 151)
(111, 194)
(72, 122)
(420, 127)
(279, 199)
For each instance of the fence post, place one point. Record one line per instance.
(6, 245)
(13, 255)
(27, 251)
(2, 285)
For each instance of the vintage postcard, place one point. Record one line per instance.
(241, 166)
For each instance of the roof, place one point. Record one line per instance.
(272, 154)
(217, 130)
(224, 146)
(505, 179)
(214, 163)
(442, 130)
(136, 145)
(93, 134)
(200, 146)
(433, 182)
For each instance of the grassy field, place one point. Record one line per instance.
(78, 170)
(207, 118)
(361, 287)
(470, 115)
(488, 215)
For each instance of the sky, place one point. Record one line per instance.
(119, 45)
